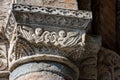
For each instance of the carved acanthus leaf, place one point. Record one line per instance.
(3, 58)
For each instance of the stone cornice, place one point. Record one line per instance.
(53, 11)
(56, 17)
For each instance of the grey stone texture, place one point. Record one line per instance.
(66, 4)
(43, 70)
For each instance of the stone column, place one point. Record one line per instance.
(46, 42)
(43, 70)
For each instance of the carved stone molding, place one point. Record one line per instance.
(41, 66)
(88, 60)
(108, 65)
(53, 11)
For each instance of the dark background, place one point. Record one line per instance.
(105, 21)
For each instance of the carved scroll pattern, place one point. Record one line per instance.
(10, 27)
(31, 41)
(53, 11)
(108, 65)
(61, 38)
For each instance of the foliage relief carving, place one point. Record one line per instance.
(61, 38)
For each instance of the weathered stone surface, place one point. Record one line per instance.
(4, 75)
(41, 76)
(88, 60)
(3, 52)
(66, 4)
(108, 65)
(34, 35)
(41, 70)
(49, 20)
(5, 7)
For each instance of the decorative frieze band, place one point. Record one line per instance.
(52, 17)
(53, 11)
(61, 38)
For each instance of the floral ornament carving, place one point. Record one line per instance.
(60, 38)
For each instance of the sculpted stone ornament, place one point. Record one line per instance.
(47, 43)
(61, 38)
(3, 59)
(47, 34)
(53, 35)
(3, 51)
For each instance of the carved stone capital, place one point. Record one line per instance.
(51, 30)
(51, 34)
